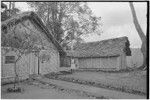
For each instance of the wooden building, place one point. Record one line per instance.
(49, 57)
(106, 54)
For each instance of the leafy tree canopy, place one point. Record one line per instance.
(67, 20)
(7, 12)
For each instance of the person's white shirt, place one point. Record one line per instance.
(73, 64)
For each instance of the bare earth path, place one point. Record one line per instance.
(94, 90)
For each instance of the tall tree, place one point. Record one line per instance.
(142, 36)
(67, 20)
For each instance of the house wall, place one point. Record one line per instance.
(7, 70)
(107, 63)
(52, 63)
(123, 61)
(25, 66)
(29, 64)
(49, 63)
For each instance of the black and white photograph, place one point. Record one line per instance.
(74, 49)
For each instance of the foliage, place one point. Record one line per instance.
(20, 43)
(67, 20)
(8, 12)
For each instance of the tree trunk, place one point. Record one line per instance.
(15, 70)
(13, 6)
(16, 75)
(9, 9)
(142, 36)
(56, 22)
(144, 52)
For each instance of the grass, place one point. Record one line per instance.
(78, 92)
(37, 89)
(131, 82)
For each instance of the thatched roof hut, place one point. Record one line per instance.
(110, 54)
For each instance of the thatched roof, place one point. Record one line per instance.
(105, 48)
(34, 18)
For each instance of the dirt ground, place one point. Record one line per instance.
(37, 92)
(132, 80)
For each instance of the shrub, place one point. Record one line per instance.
(65, 72)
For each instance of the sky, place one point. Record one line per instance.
(117, 21)
(116, 18)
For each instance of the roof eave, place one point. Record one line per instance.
(32, 16)
(40, 23)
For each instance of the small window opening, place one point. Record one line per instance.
(9, 59)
